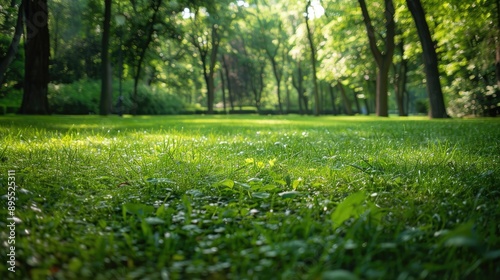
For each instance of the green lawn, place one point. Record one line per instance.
(249, 197)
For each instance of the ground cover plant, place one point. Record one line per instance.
(249, 197)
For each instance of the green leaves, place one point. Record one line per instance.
(354, 206)
(140, 210)
(290, 194)
(226, 183)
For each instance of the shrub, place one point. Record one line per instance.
(11, 99)
(153, 100)
(82, 97)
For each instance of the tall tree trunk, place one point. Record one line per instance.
(142, 55)
(356, 102)
(497, 61)
(257, 85)
(400, 77)
(332, 98)
(299, 86)
(211, 71)
(382, 59)
(277, 76)
(223, 84)
(229, 87)
(14, 45)
(106, 90)
(436, 100)
(288, 100)
(317, 108)
(37, 52)
(347, 102)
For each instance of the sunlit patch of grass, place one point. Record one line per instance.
(252, 197)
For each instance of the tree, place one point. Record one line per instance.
(37, 51)
(383, 58)
(106, 86)
(400, 78)
(270, 36)
(205, 36)
(142, 41)
(14, 45)
(497, 49)
(313, 61)
(436, 100)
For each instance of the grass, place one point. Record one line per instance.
(248, 197)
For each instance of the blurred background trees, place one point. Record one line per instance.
(266, 56)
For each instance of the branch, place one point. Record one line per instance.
(371, 32)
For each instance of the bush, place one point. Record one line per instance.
(475, 102)
(422, 106)
(152, 100)
(11, 99)
(473, 98)
(82, 97)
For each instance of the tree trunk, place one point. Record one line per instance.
(257, 86)
(14, 45)
(347, 102)
(436, 100)
(288, 101)
(37, 52)
(149, 39)
(317, 107)
(400, 76)
(356, 102)
(277, 76)
(497, 61)
(382, 59)
(382, 102)
(229, 88)
(106, 98)
(299, 86)
(211, 70)
(332, 98)
(222, 81)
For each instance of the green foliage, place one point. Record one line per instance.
(473, 100)
(82, 98)
(250, 197)
(15, 72)
(11, 98)
(156, 101)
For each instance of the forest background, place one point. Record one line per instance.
(269, 57)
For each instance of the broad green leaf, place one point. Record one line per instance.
(261, 195)
(160, 180)
(268, 188)
(162, 209)
(140, 210)
(352, 206)
(281, 182)
(154, 221)
(462, 236)
(338, 274)
(290, 194)
(244, 186)
(226, 183)
(296, 183)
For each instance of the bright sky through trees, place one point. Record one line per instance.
(316, 10)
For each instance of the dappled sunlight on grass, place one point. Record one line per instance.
(212, 196)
